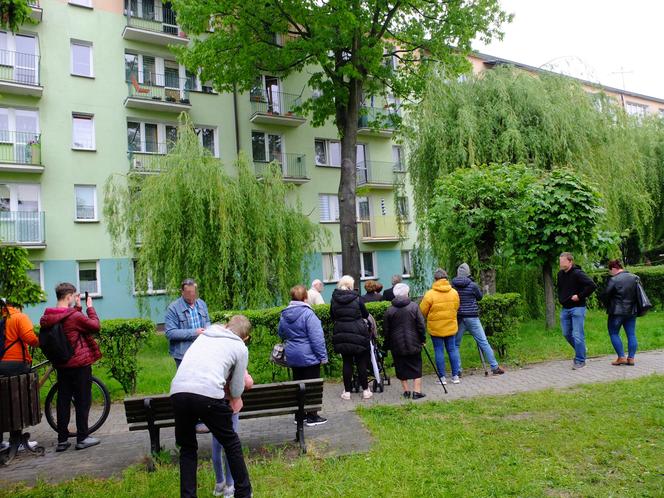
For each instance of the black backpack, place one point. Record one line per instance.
(54, 344)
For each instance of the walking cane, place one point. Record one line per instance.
(479, 350)
(435, 369)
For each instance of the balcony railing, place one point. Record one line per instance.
(20, 147)
(19, 68)
(150, 17)
(292, 167)
(374, 118)
(160, 88)
(379, 229)
(22, 228)
(274, 103)
(379, 173)
(147, 159)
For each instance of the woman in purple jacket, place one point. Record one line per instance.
(305, 350)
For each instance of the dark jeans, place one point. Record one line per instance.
(362, 362)
(76, 384)
(305, 373)
(217, 415)
(8, 369)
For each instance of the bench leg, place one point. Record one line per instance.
(299, 436)
(155, 443)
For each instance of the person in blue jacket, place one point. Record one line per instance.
(304, 342)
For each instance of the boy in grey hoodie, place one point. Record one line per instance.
(197, 393)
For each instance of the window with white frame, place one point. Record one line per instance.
(266, 147)
(329, 207)
(83, 131)
(157, 71)
(86, 202)
(368, 265)
(331, 266)
(206, 136)
(397, 158)
(81, 58)
(81, 3)
(327, 152)
(89, 278)
(21, 128)
(19, 56)
(36, 274)
(154, 286)
(406, 263)
(634, 109)
(402, 207)
(152, 138)
(661, 113)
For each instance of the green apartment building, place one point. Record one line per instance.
(93, 90)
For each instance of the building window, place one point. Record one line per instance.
(329, 207)
(19, 55)
(634, 109)
(81, 58)
(153, 138)
(36, 274)
(19, 128)
(154, 286)
(86, 202)
(406, 263)
(368, 265)
(661, 113)
(266, 147)
(402, 207)
(89, 278)
(83, 132)
(397, 158)
(206, 137)
(81, 3)
(327, 152)
(331, 266)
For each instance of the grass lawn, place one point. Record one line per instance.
(534, 344)
(595, 440)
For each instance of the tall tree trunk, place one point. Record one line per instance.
(487, 272)
(347, 125)
(549, 299)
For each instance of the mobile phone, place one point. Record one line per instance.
(86, 296)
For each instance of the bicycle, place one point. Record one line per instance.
(99, 411)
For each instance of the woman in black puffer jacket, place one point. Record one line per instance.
(351, 334)
(404, 331)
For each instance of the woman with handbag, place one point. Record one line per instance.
(304, 342)
(620, 298)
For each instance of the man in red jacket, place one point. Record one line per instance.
(75, 376)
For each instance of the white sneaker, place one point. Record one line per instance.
(366, 394)
(229, 491)
(201, 428)
(31, 444)
(219, 489)
(456, 379)
(4, 445)
(345, 395)
(442, 381)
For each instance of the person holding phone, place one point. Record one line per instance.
(74, 376)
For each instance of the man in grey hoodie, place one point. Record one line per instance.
(197, 393)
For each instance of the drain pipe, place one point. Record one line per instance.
(237, 124)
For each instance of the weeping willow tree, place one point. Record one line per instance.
(242, 238)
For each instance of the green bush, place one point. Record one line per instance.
(652, 278)
(500, 314)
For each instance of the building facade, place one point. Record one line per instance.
(93, 90)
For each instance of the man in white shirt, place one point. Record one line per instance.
(314, 294)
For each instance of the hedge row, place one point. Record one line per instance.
(500, 314)
(652, 278)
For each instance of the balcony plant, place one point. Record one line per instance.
(33, 149)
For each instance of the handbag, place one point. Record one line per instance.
(278, 355)
(643, 304)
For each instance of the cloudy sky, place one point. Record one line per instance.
(590, 39)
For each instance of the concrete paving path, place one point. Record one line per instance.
(343, 434)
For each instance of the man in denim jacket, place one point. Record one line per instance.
(186, 318)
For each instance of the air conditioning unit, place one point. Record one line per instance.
(137, 164)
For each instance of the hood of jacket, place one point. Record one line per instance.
(54, 315)
(461, 281)
(294, 311)
(442, 285)
(400, 301)
(221, 331)
(343, 296)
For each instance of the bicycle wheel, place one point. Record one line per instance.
(99, 410)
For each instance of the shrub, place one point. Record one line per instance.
(500, 314)
(652, 278)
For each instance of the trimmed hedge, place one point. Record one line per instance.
(652, 278)
(500, 315)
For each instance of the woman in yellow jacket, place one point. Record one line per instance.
(439, 306)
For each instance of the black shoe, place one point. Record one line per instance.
(498, 371)
(578, 365)
(62, 446)
(406, 394)
(417, 395)
(314, 420)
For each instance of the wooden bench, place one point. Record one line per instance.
(263, 400)
(19, 408)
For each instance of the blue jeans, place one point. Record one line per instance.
(571, 322)
(219, 460)
(629, 324)
(440, 344)
(473, 325)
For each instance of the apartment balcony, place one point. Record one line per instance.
(292, 167)
(379, 174)
(377, 122)
(37, 11)
(22, 228)
(158, 92)
(148, 161)
(19, 74)
(379, 229)
(155, 24)
(20, 152)
(275, 108)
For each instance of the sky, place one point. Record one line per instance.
(590, 39)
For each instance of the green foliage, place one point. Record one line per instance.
(241, 238)
(14, 14)
(500, 315)
(525, 281)
(15, 285)
(652, 278)
(120, 340)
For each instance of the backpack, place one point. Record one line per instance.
(54, 344)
